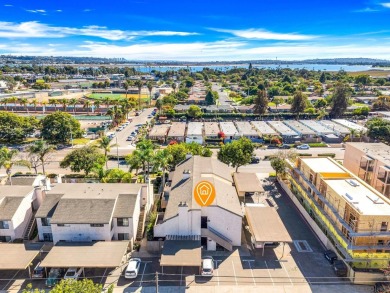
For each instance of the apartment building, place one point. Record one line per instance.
(371, 163)
(86, 212)
(218, 225)
(195, 132)
(352, 216)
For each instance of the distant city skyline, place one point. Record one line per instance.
(197, 31)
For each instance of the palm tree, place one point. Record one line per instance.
(162, 159)
(73, 102)
(42, 150)
(174, 86)
(107, 101)
(97, 103)
(134, 163)
(5, 102)
(64, 103)
(126, 86)
(13, 101)
(138, 83)
(149, 85)
(87, 104)
(8, 160)
(23, 102)
(34, 103)
(105, 144)
(53, 102)
(44, 104)
(144, 152)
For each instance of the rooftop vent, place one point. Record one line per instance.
(352, 182)
(375, 199)
(351, 198)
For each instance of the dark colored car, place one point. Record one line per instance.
(340, 268)
(272, 146)
(285, 146)
(255, 160)
(330, 255)
(55, 276)
(39, 272)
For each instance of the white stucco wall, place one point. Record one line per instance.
(42, 229)
(81, 232)
(224, 222)
(193, 138)
(188, 223)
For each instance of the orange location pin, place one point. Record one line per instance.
(204, 193)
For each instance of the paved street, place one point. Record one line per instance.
(223, 96)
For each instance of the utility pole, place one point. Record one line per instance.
(117, 151)
(156, 282)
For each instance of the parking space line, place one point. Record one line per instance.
(143, 272)
(250, 266)
(10, 281)
(269, 273)
(303, 273)
(217, 269)
(234, 271)
(281, 263)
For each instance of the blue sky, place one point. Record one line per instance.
(197, 30)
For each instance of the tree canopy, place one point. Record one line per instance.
(340, 99)
(194, 111)
(237, 153)
(15, 128)
(84, 159)
(379, 129)
(299, 103)
(58, 127)
(261, 102)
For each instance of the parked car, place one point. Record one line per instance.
(330, 255)
(73, 273)
(39, 272)
(255, 160)
(340, 268)
(285, 146)
(138, 113)
(272, 146)
(207, 266)
(303, 147)
(150, 116)
(132, 268)
(54, 277)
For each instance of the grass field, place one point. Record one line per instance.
(376, 73)
(97, 96)
(359, 105)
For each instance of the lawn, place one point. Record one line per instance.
(81, 141)
(359, 105)
(97, 96)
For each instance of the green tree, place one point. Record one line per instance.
(194, 111)
(60, 127)
(210, 99)
(84, 159)
(73, 102)
(8, 158)
(299, 103)
(139, 84)
(126, 86)
(70, 286)
(277, 101)
(117, 176)
(340, 99)
(144, 152)
(104, 144)
(279, 165)
(320, 104)
(162, 160)
(363, 79)
(322, 78)
(237, 153)
(261, 102)
(378, 129)
(150, 85)
(15, 128)
(42, 150)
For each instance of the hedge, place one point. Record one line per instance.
(317, 144)
(327, 155)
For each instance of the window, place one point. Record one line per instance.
(97, 225)
(63, 225)
(5, 238)
(47, 237)
(4, 225)
(384, 226)
(45, 221)
(122, 222)
(123, 236)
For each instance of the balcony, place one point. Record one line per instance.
(217, 237)
(384, 179)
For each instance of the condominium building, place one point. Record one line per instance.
(352, 216)
(370, 162)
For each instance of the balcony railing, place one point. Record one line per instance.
(382, 178)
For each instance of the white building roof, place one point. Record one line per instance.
(264, 128)
(211, 128)
(228, 128)
(195, 128)
(350, 125)
(337, 128)
(282, 128)
(177, 129)
(317, 127)
(300, 128)
(246, 129)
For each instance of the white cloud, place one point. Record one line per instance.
(204, 51)
(261, 34)
(36, 10)
(58, 10)
(34, 29)
(87, 10)
(366, 10)
(386, 4)
(8, 5)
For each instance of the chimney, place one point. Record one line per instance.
(186, 174)
(188, 156)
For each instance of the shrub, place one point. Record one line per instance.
(332, 155)
(304, 155)
(317, 144)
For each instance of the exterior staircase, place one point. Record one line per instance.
(141, 225)
(217, 237)
(30, 228)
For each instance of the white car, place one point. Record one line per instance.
(303, 147)
(207, 266)
(132, 268)
(73, 273)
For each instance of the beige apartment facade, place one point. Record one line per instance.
(371, 163)
(354, 216)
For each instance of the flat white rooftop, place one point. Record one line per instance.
(317, 127)
(350, 125)
(246, 129)
(160, 130)
(299, 127)
(337, 128)
(211, 128)
(177, 129)
(323, 165)
(264, 128)
(282, 128)
(195, 128)
(228, 128)
(362, 198)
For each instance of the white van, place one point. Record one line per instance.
(207, 266)
(132, 268)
